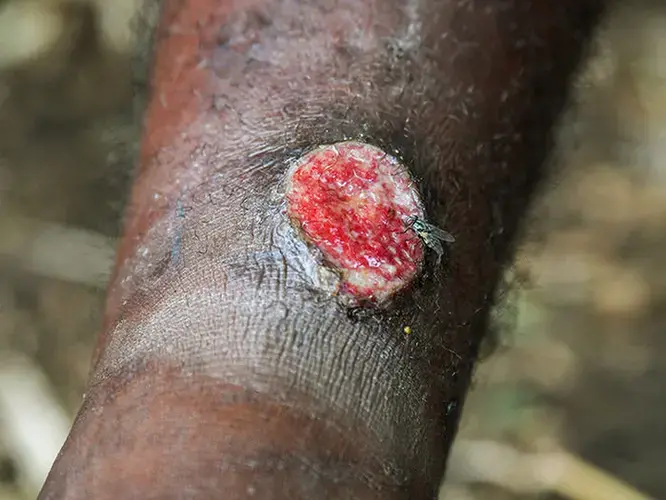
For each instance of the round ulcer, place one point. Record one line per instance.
(353, 202)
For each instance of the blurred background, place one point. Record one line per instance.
(571, 401)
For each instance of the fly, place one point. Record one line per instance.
(430, 235)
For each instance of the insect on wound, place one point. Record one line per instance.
(352, 201)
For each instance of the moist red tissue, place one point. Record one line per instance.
(353, 202)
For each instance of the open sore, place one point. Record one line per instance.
(353, 202)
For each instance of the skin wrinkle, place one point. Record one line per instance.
(255, 357)
(258, 349)
(241, 407)
(465, 105)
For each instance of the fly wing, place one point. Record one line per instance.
(441, 234)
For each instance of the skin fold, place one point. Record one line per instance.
(223, 368)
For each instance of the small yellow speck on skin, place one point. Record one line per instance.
(407, 330)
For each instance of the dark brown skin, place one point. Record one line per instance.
(221, 370)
